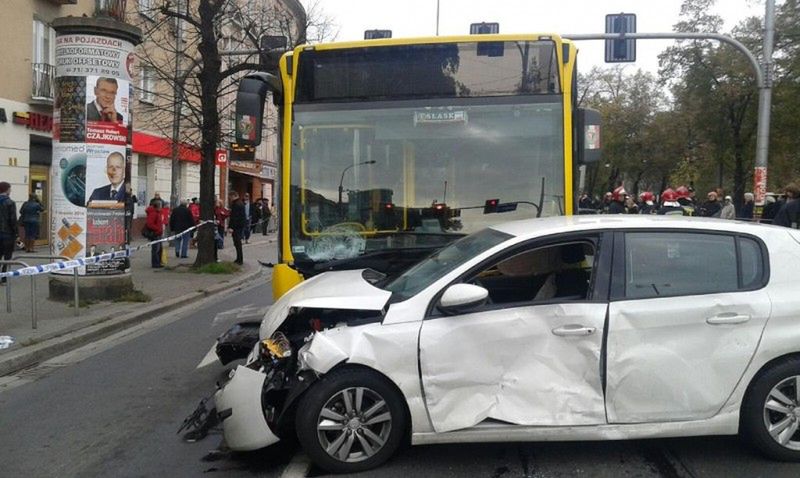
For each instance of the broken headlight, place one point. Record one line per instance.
(276, 347)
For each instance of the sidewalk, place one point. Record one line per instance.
(59, 330)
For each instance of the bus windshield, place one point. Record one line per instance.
(390, 175)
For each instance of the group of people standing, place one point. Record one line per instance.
(29, 216)
(783, 210)
(240, 219)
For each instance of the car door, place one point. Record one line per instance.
(530, 357)
(687, 312)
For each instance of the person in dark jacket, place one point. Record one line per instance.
(771, 207)
(747, 208)
(617, 205)
(180, 220)
(155, 224)
(712, 206)
(8, 224)
(789, 214)
(29, 216)
(237, 223)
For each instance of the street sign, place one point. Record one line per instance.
(375, 34)
(621, 51)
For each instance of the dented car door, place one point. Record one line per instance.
(532, 362)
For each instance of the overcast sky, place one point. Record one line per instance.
(412, 18)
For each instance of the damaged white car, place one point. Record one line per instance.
(568, 328)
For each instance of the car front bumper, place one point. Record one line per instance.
(239, 409)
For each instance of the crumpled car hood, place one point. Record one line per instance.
(331, 290)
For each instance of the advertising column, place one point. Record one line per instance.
(92, 131)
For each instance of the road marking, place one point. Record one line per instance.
(210, 357)
(298, 467)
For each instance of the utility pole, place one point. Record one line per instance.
(764, 107)
(437, 18)
(177, 93)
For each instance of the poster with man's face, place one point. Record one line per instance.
(107, 102)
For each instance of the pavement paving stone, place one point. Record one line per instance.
(170, 287)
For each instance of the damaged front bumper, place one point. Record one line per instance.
(240, 411)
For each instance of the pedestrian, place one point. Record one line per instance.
(728, 209)
(647, 203)
(605, 204)
(771, 208)
(154, 225)
(789, 213)
(617, 204)
(29, 216)
(221, 214)
(266, 215)
(686, 200)
(711, 207)
(747, 209)
(585, 202)
(8, 225)
(237, 223)
(248, 207)
(255, 215)
(179, 221)
(669, 204)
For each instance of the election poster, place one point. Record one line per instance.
(91, 148)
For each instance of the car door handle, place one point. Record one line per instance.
(573, 329)
(727, 319)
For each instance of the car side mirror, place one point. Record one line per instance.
(459, 298)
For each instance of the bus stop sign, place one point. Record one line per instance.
(621, 51)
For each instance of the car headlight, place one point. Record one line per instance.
(276, 347)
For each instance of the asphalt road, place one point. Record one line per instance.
(113, 409)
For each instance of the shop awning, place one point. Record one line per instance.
(152, 145)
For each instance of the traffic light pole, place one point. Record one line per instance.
(763, 73)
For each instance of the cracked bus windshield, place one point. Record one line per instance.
(420, 175)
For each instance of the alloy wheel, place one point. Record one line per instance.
(782, 412)
(354, 424)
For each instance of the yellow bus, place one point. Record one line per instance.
(392, 148)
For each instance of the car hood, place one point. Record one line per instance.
(330, 290)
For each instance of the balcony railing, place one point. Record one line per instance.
(43, 78)
(110, 8)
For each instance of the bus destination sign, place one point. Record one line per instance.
(439, 117)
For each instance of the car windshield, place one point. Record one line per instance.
(445, 260)
(410, 174)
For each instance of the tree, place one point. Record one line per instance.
(205, 83)
(714, 87)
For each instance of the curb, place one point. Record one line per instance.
(70, 340)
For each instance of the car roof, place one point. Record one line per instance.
(560, 224)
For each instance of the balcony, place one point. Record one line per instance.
(43, 83)
(110, 9)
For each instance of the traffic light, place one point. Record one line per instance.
(490, 206)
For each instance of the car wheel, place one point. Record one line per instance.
(351, 420)
(771, 412)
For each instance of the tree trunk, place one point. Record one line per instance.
(210, 78)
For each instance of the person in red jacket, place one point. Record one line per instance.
(155, 225)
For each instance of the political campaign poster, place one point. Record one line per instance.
(91, 149)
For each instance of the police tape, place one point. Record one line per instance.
(84, 261)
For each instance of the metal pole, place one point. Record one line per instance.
(33, 301)
(764, 107)
(8, 294)
(75, 292)
(177, 92)
(437, 18)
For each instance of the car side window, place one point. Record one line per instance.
(675, 263)
(559, 271)
(752, 263)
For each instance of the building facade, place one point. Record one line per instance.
(27, 98)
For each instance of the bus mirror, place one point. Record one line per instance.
(588, 131)
(250, 100)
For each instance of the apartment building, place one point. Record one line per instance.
(27, 97)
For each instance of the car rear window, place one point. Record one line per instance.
(675, 263)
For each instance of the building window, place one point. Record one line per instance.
(146, 8)
(43, 55)
(147, 83)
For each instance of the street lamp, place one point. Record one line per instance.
(341, 189)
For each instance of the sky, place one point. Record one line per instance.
(412, 18)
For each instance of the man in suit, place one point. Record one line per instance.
(102, 108)
(115, 170)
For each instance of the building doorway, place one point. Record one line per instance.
(40, 186)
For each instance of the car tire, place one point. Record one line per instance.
(348, 438)
(771, 412)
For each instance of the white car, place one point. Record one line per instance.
(567, 328)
